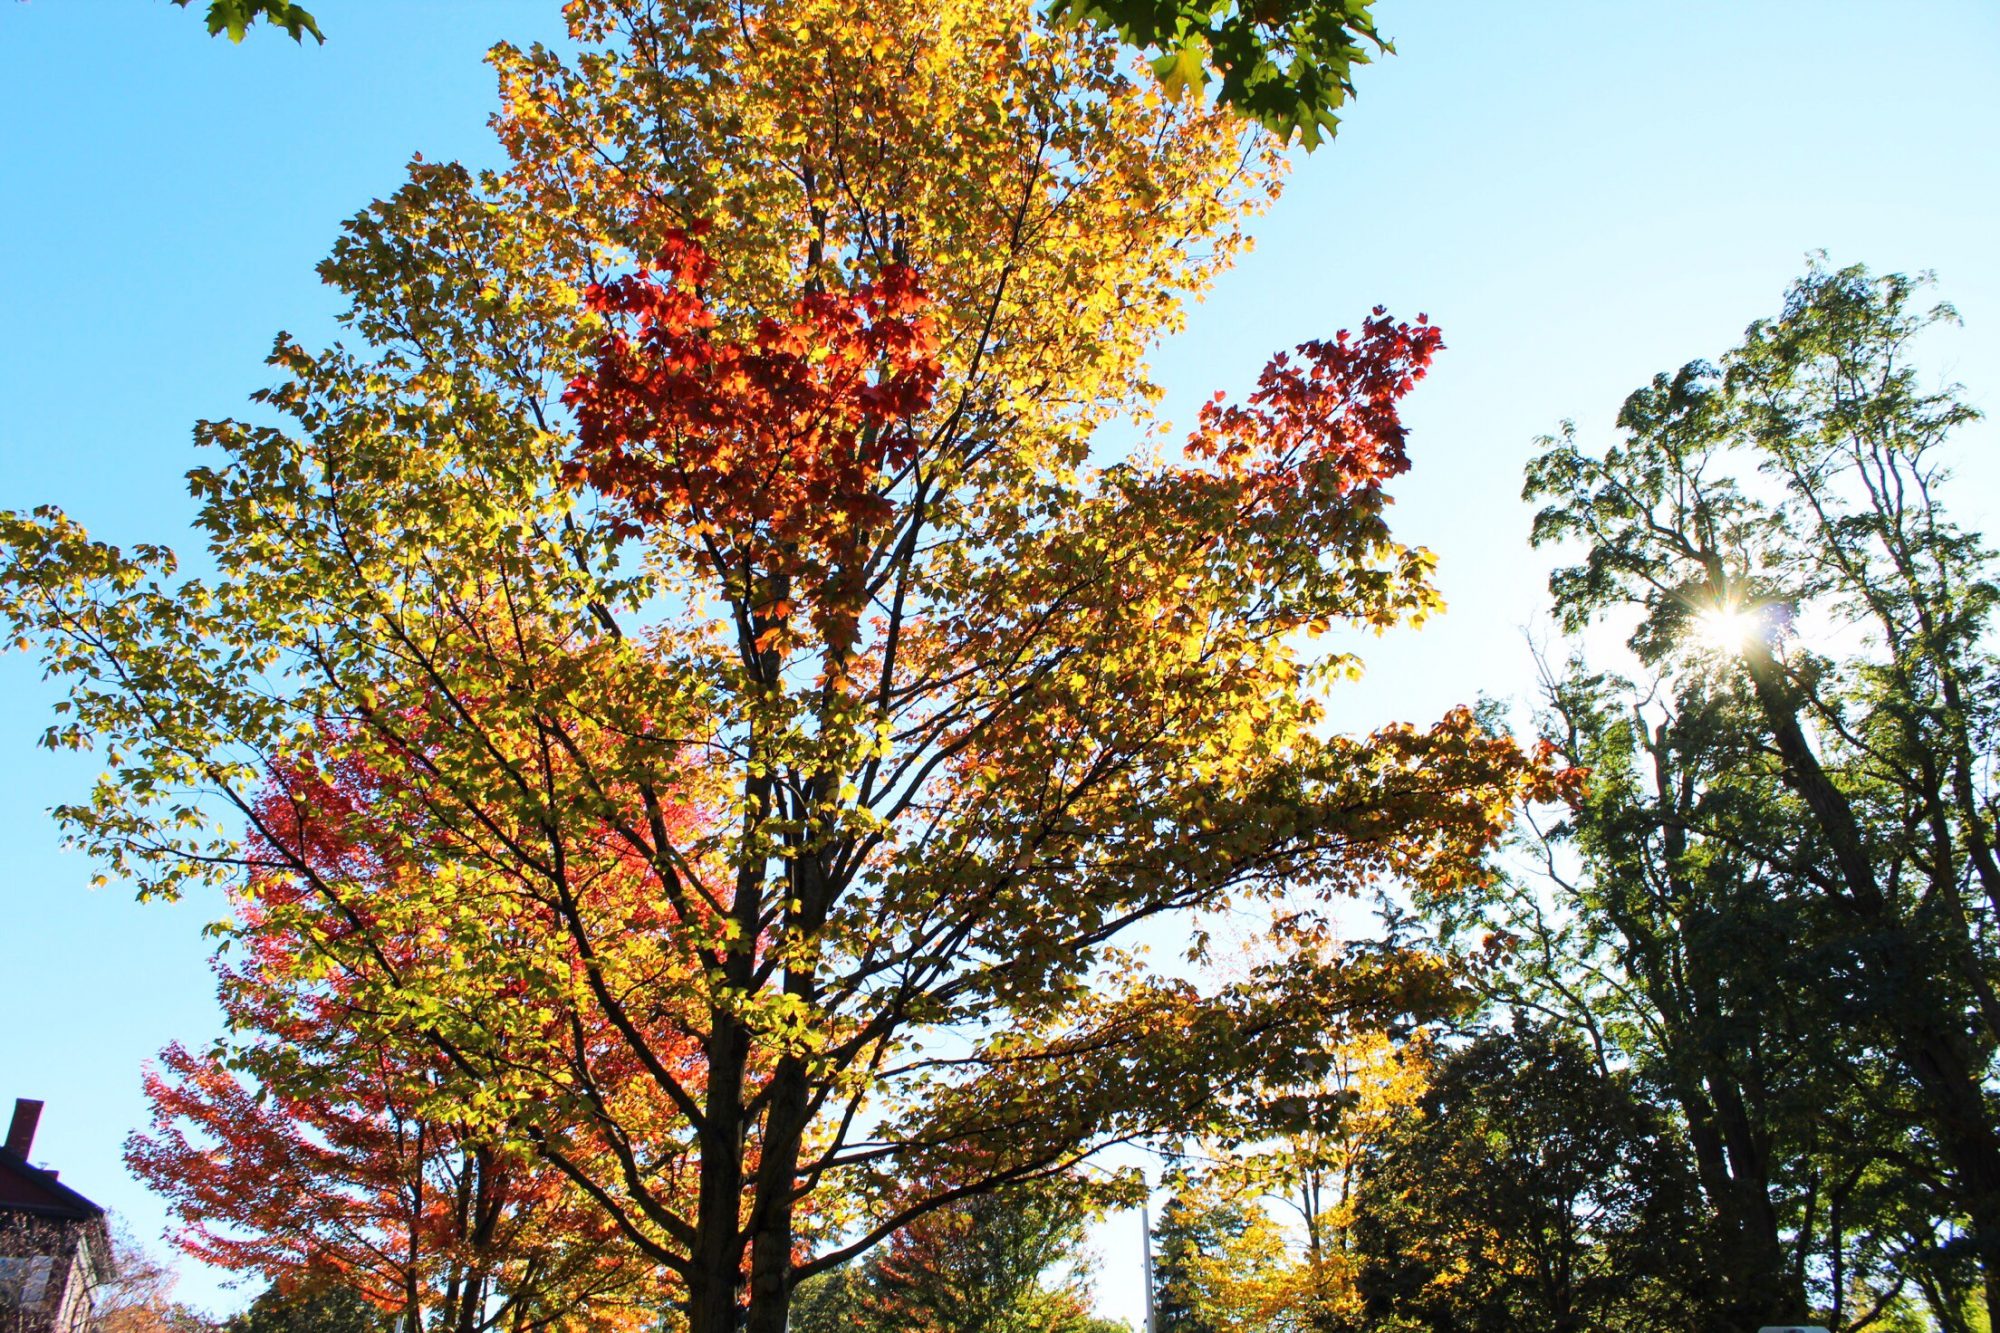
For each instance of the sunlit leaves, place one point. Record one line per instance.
(703, 692)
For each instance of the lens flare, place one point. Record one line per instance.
(1729, 629)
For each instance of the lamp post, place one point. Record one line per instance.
(1146, 1248)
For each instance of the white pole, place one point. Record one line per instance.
(1146, 1244)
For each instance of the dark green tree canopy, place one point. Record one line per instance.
(319, 1310)
(1536, 1190)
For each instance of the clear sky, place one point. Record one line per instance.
(1581, 194)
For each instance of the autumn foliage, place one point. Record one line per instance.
(314, 1150)
(1331, 423)
(778, 450)
(705, 710)
(786, 437)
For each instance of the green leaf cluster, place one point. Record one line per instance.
(1288, 65)
(234, 17)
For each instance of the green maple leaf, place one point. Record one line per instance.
(234, 17)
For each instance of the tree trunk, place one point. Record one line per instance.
(1764, 1292)
(1927, 1042)
(716, 1263)
(715, 1268)
(771, 1214)
(789, 1110)
(1732, 1159)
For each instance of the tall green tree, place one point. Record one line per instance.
(1710, 950)
(1783, 514)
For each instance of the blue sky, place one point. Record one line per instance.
(1581, 194)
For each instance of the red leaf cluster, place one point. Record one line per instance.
(1335, 409)
(781, 448)
(317, 1148)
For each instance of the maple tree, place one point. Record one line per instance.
(310, 1148)
(781, 717)
(1311, 1148)
(1221, 1262)
(352, 1185)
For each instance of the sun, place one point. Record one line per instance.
(1728, 629)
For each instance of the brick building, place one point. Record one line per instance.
(55, 1251)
